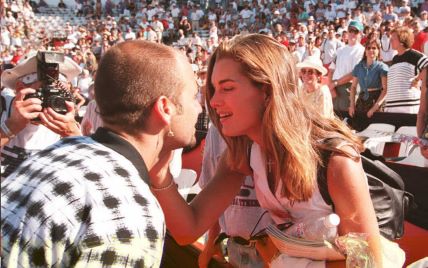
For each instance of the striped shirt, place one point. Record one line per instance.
(401, 73)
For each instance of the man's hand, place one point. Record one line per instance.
(23, 110)
(64, 125)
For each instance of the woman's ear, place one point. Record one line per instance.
(164, 109)
(267, 94)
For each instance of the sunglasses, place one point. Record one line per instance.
(28, 79)
(371, 48)
(309, 72)
(354, 31)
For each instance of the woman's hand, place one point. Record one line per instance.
(207, 253)
(351, 110)
(371, 111)
(267, 250)
(159, 173)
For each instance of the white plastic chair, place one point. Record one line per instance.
(377, 135)
(406, 147)
(186, 181)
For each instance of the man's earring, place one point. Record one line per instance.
(170, 133)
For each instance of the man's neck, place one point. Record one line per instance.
(147, 145)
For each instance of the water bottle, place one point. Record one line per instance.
(324, 228)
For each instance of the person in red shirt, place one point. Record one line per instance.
(17, 55)
(420, 36)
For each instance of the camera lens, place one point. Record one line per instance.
(57, 103)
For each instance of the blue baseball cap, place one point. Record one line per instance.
(357, 25)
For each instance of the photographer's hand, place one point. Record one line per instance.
(23, 110)
(62, 124)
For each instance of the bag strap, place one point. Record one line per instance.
(373, 168)
(322, 178)
(6, 105)
(381, 171)
(334, 143)
(2, 104)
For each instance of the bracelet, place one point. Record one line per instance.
(6, 130)
(155, 189)
(335, 83)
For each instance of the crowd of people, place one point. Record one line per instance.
(271, 76)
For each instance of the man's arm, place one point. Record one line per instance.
(422, 116)
(21, 112)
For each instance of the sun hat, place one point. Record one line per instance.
(357, 25)
(69, 68)
(405, 9)
(313, 63)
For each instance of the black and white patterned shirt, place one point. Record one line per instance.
(83, 202)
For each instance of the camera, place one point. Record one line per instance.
(51, 93)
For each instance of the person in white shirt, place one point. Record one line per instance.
(301, 45)
(341, 70)
(129, 35)
(368, 13)
(389, 14)
(329, 47)
(212, 16)
(341, 9)
(246, 15)
(175, 12)
(423, 19)
(157, 26)
(315, 94)
(151, 11)
(151, 34)
(330, 14)
(311, 50)
(21, 137)
(84, 82)
(386, 50)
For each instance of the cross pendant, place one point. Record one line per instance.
(269, 164)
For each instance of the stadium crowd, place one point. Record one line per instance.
(355, 57)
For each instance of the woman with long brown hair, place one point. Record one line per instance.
(254, 101)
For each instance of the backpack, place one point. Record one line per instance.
(390, 200)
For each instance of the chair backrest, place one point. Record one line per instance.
(406, 146)
(377, 134)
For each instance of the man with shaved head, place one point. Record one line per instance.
(88, 201)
